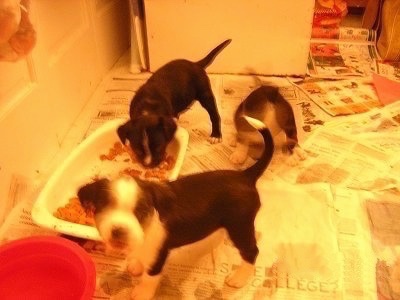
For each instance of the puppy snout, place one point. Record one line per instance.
(148, 162)
(119, 233)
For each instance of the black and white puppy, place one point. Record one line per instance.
(149, 219)
(156, 105)
(267, 105)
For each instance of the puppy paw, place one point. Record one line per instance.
(287, 149)
(297, 156)
(135, 267)
(141, 292)
(146, 289)
(214, 140)
(238, 157)
(232, 140)
(239, 277)
(300, 153)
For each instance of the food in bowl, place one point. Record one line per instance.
(92, 159)
(121, 152)
(73, 210)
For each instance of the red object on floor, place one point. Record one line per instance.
(388, 90)
(46, 268)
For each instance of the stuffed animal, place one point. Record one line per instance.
(17, 35)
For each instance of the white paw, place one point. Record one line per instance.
(147, 287)
(142, 292)
(214, 140)
(232, 140)
(135, 267)
(238, 157)
(302, 155)
(297, 156)
(240, 276)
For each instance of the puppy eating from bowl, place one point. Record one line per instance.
(149, 219)
(157, 104)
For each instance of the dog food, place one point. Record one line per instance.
(118, 149)
(158, 173)
(74, 212)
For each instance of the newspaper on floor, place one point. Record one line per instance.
(115, 101)
(354, 242)
(390, 69)
(14, 187)
(342, 52)
(339, 160)
(297, 225)
(359, 152)
(384, 119)
(383, 210)
(342, 97)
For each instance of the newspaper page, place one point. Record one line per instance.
(359, 151)
(341, 52)
(378, 197)
(390, 69)
(115, 101)
(19, 224)
(354, 242)
(384, 119)
(342, 97)
(15, 187)
(383, 214)
(344, 161)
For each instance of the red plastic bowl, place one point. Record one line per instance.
(46, 268)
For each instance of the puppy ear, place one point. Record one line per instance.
(169, 127)
(92, 194)
(157, 195)
(123, 131)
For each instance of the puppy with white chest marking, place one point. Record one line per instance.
(267, 105)
(156, 105)
(149, 219)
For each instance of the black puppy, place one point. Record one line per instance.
(149, 219)
(157, 104)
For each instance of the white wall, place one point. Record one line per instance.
(78, 41)
(268, 37)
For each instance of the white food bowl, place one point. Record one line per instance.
(81, 166)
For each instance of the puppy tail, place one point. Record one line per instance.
(206, 61)
(256, 170)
